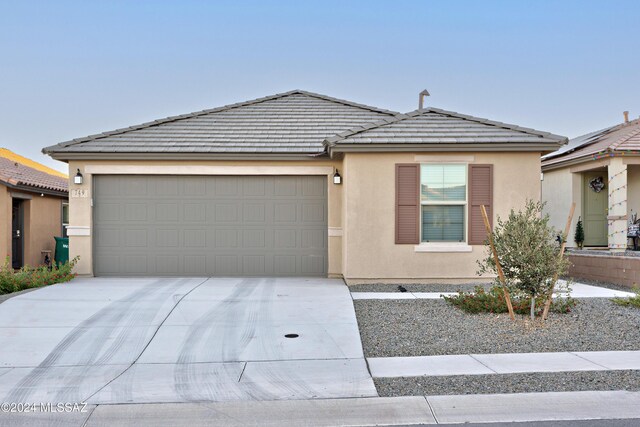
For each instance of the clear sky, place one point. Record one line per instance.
(73, 68)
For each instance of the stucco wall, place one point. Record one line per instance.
(361, 210)
(633, 189)
(560, 187)
(80, 211)
(5, 220)
(43, 221)
(370, 252)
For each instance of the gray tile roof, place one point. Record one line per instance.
(298, 123)
(295, 122)
(435, 126)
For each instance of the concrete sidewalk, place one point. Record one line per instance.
(504, 363)
(578, 290)
(586, 405)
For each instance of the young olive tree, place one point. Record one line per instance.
(528, 251)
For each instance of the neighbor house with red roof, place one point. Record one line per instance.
(33, 208)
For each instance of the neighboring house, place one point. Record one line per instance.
(298, 184)
(600, 172)
(33, 208)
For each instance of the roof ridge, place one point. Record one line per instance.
(346, 102)
(498, 124)
(25, 161)
(420, 112)
(226, 107)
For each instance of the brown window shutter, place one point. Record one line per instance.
(408, 203)
(480, 193)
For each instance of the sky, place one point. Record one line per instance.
(74, 68)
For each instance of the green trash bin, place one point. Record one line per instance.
(61, 254)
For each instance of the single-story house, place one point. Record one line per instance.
(33, 208)
(298, 184)
(600, 172)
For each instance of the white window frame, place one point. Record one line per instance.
(462, 246)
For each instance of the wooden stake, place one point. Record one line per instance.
(567, 227)
(503, 281)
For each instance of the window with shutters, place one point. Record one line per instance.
(443, 202)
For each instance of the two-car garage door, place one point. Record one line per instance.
(210, 225)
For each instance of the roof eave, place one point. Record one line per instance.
(36, 190)
(518, 147)
(67, 156)
(585, 158)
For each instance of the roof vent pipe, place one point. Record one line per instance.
(421, 99)
(626, 116)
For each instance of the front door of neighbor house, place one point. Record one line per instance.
(17, 233)
(594, 208)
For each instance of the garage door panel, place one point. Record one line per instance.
(196, 264)
(194, 212)
(166, 212)
(136, 239)
(194, 186)
(212, 225)
(135, 264)
(109, 212)
(196, 238)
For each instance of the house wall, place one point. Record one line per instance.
(369, 250)
(80, 210)
(361, 211)
(560, 187)
(5, 220)
(43, 222)
(633, 190)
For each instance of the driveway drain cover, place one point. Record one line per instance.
(291, 336)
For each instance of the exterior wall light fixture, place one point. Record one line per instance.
(78, 178)
(337, 179)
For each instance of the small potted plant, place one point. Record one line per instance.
(578, 237)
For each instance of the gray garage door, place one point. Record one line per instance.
(210, 225)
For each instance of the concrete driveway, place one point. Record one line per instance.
(181, 340)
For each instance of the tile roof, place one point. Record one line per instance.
(622, 138)
(295, 122)
(436, 126)
(298, 123)
(16, 170)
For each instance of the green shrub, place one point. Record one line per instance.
(34, 277)
(492, 301)
(633, 301)
(528, 252)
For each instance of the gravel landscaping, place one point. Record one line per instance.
(382, 287)
(509, 383)
(432, 327)
(438, 287)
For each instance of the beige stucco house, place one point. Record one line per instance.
(600, 172)
(33, 207)
(298, 184)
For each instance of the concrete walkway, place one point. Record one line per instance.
(586, 405)
(507, 363)
(182, 340)
(578, 290)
